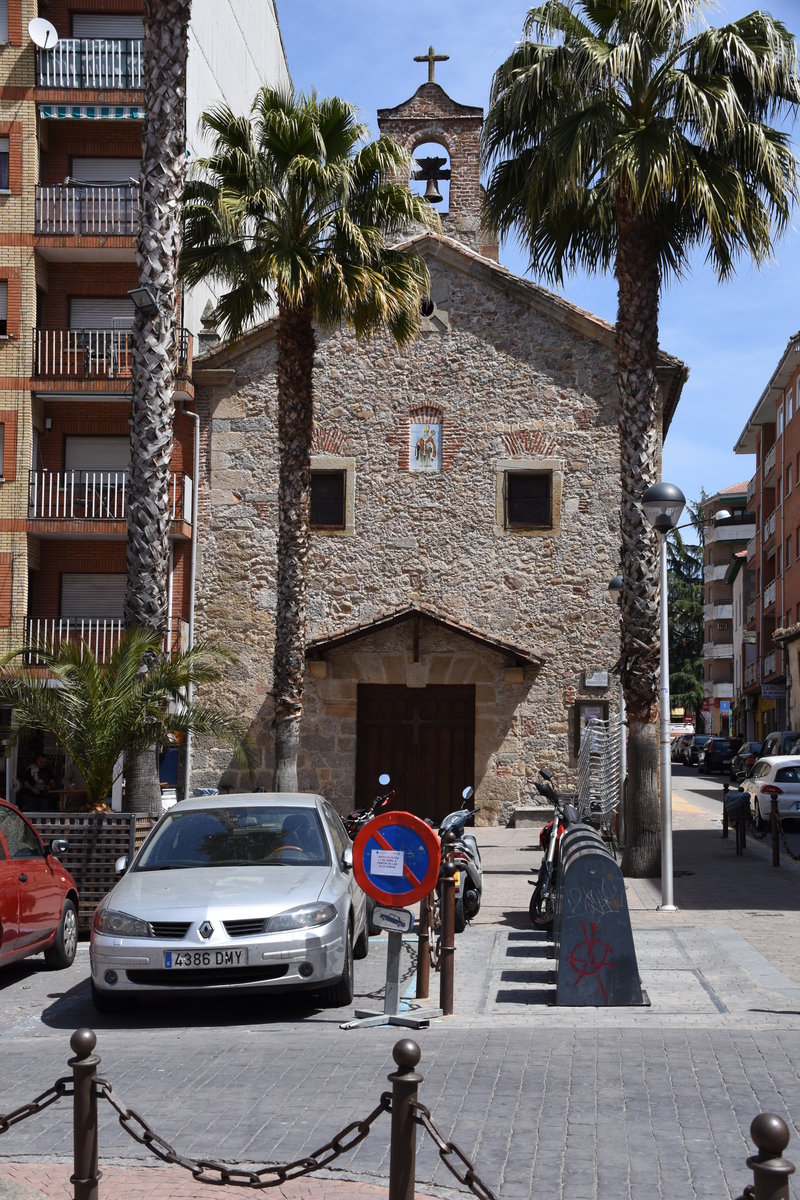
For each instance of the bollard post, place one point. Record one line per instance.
(775, 831)
(403, 1150)
(725, 787)
(770, 1169)
(424, 950)
(448, 950)
(86, 1177)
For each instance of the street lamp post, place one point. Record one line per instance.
(663, 504)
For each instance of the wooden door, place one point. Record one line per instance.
(424, 738)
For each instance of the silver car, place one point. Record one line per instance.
(777, 775)
(252, 892)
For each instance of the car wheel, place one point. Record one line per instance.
(758, 820)
(342, 991)
(63, 950)
(109, 1002)
(361, 944)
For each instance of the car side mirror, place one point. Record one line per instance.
(121, 864)
(59, 846)
(347, 858)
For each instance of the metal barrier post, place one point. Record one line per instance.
(775, 831)
(86, 1177)
(424, 950)
(403, 1149)
(448, 886)
(770, 1169)
(725, 787)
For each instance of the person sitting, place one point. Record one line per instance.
(36, 784)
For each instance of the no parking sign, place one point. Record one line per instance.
(396, 859)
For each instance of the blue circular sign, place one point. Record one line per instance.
(396, 859)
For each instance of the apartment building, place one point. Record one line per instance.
(724, 536)
(772, 433)
(71, 118)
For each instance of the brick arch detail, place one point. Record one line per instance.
(326, 440)
(529, 442)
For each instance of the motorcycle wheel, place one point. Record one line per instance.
(461, 918)
(541, 908)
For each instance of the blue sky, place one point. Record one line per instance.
(731, 336)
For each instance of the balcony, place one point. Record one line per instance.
(769, 527)
(750, 612)
(75, 497)
(101, 634)
(770, 663)
(769, 460)
(717, 612)
(751, 675)
(85, 210)
(92, 64)
(98, 354)
(719, 650)
(752, 488)
(751, 549)
(769, 593)
(718, 691)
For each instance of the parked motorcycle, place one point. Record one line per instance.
(469, 880)
(542, 905)
(358, 818)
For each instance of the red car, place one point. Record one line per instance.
(38, 896)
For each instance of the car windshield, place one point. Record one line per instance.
(236, 837)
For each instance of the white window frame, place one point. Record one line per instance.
(779, 421)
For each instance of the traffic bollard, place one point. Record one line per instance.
(403, 1149)
(86, 1177)
(774, 828)
(770, 1169)
(448, 950)
(424, 950)
(725, 787)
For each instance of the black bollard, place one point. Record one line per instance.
(424, 949)
(770, 1169)
(774, 828)
(725, 787)
(448, 946)
(403, 1151)
(86, 1177)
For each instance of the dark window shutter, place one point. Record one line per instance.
(528, 500)
(327, 499)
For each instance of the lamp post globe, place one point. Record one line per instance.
(663, 504)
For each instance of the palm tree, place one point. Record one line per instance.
(293, 208)
(155, 344)
(104, 712)
(625, 134)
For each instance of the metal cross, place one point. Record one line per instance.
(430, 58)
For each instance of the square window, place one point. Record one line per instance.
(529, 499)
(328, 489)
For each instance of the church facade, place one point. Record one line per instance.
(465, 526)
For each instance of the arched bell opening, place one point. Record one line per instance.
(430, 175)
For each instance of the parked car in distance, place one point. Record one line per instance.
(744, 760)
(244, 893)
(781, 741)
(715, 754)
(38, 896)
(693, 748)
(678, 744)
(779, 776)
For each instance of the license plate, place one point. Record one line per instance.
(457, 878)
(204, 958)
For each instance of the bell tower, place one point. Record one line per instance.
(431, 119)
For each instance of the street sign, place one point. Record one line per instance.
(394, 920)
(396, 859)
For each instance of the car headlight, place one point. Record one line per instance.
(302, 918)
(120, 924)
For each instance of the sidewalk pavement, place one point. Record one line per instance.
(646, 1103)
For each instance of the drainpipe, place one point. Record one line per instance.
(195, 416)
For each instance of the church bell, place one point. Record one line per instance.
(432, 193)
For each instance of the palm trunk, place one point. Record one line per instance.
(166, 28)
(638, 281)
(139, 775)
(296, 344)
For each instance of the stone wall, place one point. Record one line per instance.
(516, 374)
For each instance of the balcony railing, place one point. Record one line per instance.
(92, 63)
(769, 460)
(101, 634)
(752, 487)
(95, 496)
(751, 675)
(769, 527)
(750, 612)
(770, 663)
(94, 353)
(101, 209)
(769, 593)
(751, 549)
(717, 612)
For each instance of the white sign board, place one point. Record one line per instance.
(386, 862)
(395, 920)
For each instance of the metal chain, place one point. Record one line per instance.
(469, 1176)
(752, 831)
(61, 1087)
(786, 845)
(211, 1171)
(434, 931)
